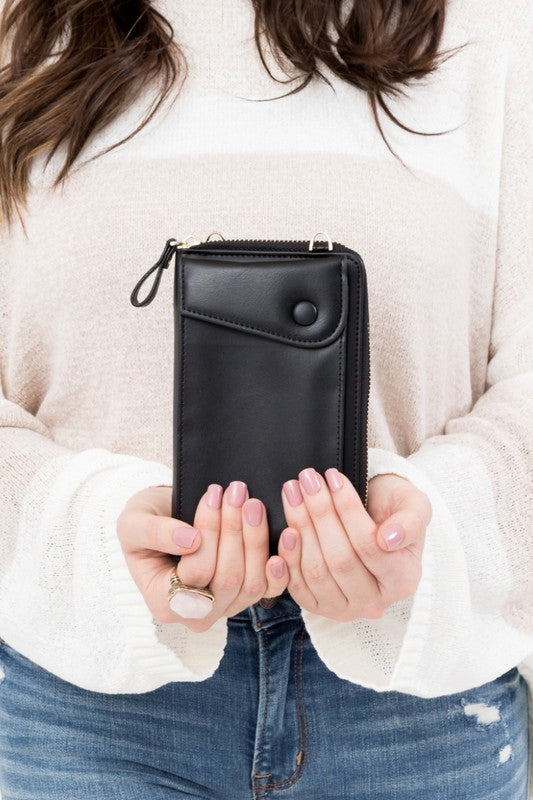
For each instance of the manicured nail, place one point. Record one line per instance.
(277, 568)
(293, 493)
(253, 511)
(236, 493)
(393, 537)
(214, 495)
(184, 537)
(309, 480)
(288, 540)
(334, 479)
(190, 605)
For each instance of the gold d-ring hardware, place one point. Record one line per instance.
(320, 233)
(215, 233)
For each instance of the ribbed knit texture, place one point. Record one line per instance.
(86, 378)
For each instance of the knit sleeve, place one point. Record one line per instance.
(470, 619)
(67, 599)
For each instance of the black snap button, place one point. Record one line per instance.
(305, 312)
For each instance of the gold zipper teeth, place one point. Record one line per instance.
(367, 412)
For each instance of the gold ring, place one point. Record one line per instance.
(189, 601)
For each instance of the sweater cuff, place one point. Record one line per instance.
(158, 652)
(435, 642)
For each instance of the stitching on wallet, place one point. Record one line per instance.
(182, 383)
(264, 330)
(340, 397)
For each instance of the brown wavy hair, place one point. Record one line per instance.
(69, 67)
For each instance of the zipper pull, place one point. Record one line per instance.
(161, 264)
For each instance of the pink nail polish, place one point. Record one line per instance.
(214, 495)
(293, 493)
(277, 568)
(309, 480)
(183, 536)
(334, 479)
(393, 537)
(236, 493)
(253, 511)
(288, 540)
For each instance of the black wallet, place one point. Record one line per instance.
(271, 366)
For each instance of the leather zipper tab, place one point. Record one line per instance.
(161, 264)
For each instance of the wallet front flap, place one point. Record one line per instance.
(297, 300)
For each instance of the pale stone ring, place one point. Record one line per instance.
(187, 601)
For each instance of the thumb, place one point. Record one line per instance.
(406, 527)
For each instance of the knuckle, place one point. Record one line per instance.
(195, 575)
(347, 501)
(322, 508)
(229, 582)
(368, 547)
(255, 587)
(316, 572)
(153, 531)
(344, 565)
(295, 585)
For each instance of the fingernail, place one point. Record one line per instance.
(393, 537)
(214, 495)
(288, 540)
(184, 537)
(253, 511)
(334, 479)
(309, 480)
(190, 605)
(236, 493)
(277, 568)
(293, 493)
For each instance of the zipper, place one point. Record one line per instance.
(172, 245)
(193, 243)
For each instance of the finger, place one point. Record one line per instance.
(139, 530)
(152, 575)
(396, 572)
(290, 547)
(229, 571)
(406, 526)
(347, 569)
(198, 568)
(255, 541)
(316, 572)
(277, 576)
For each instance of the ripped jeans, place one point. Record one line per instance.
(272, 722)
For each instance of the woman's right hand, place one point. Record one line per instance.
(229, 552)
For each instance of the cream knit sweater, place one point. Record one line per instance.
(86, 378)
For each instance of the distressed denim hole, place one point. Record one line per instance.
(485, 714)
(505, 753)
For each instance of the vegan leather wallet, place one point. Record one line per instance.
(271, 366)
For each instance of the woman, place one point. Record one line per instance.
(382, 653)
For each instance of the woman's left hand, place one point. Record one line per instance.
(340, 565)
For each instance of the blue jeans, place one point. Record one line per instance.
(272, 722)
